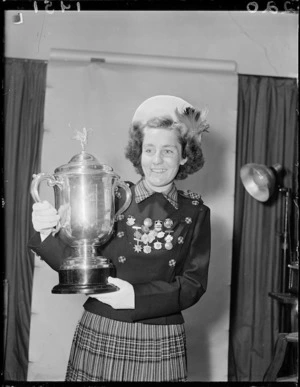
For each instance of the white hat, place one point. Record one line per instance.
(159, 106)
(174, 107)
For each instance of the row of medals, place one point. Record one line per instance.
(144, 235)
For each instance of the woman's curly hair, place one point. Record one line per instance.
(190, 140)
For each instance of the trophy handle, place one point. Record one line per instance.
(37, 179)
(127, 190)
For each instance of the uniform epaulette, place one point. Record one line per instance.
(194, 196)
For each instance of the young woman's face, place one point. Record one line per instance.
(161, 157)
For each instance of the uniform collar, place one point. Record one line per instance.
(142, 192)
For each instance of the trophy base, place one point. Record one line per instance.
(84, 289)
(84, 280)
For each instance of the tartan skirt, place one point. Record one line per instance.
(110, 350)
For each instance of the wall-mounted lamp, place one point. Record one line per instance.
(261, 182)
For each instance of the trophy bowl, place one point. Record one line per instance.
(84, 192)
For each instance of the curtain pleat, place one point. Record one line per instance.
(24, 88)
(266, 134)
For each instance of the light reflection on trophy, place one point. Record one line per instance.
(84, 193)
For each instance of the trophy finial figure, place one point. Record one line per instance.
(82, 137)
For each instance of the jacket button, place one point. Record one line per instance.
(122, 259)
(180, 240)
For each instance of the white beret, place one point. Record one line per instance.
(159, 106)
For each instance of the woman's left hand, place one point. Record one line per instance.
(120, 299)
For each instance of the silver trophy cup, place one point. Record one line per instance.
(84, 192)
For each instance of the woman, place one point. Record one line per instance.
(160, 248)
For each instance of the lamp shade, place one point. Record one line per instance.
(259, 180)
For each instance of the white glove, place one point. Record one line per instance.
(44, 218)
(121, 299)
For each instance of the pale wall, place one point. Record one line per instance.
(261, 43)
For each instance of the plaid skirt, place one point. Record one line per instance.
(110, 350)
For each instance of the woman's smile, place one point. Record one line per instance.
(158, 170)
(161, 157)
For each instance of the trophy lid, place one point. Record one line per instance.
(84, 162)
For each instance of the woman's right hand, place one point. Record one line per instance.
(44, 218)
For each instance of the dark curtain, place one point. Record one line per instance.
(24, 95)
(266, 134)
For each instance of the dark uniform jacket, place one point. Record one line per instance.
(161, 245)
